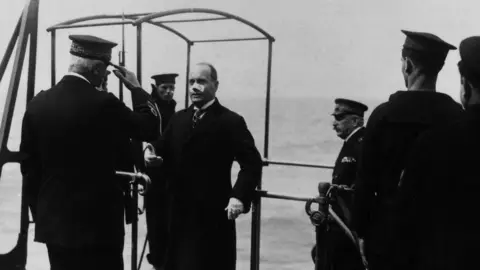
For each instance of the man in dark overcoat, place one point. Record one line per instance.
(199, 147)
(156, 200)
(349, 125)
(439, 189)
(390, 132)
(71, 133)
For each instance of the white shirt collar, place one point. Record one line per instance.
(78, 75)
(208, 104)
(353, 132)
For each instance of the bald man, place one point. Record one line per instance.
(199, 146)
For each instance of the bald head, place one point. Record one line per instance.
(213, 70)
(203, 83)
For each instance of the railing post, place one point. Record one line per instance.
(53, 35)
(189, 52)
(8, 52)
(25, 29)
(319, 219)
(138, 157)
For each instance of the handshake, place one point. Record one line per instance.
(151, 159)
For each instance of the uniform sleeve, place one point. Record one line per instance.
(250, 161)
(30, 165)
(160, 143)
(367, 176)
(143, 123)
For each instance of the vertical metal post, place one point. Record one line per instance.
(267, 102)
(257, 203)
(27, 27)
(53, 61)
(189, 46)
(121, 61)
(33, 30)
(120, 84)
(139, 53)
(9, 50)
(15, 80)
(137, 147)
(319, 220)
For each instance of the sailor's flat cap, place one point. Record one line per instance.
(470, 54)
(165, 78)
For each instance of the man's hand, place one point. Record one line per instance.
(127, 77)
(234, 208)
(151, 159)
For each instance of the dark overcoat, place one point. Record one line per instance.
(71, 134)
(439, 198)
(199, 162)
(391, 129)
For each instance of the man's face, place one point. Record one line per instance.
(100, 73)
(104, 84)
(165, 91)
(202, 88)
(343, 124)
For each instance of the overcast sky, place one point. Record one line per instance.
(331, 48)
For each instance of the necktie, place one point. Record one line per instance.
(196, 117)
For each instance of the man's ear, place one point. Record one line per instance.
(467, 88)
(409, 65)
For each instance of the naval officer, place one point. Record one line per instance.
(348, 123)
(70, 133)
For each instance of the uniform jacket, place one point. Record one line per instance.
(71, 134)
(199, 162)
(167, 108)
(439, 198)
(345, 173)
(390, 132)
(345, 170)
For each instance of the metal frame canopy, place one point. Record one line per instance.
(26, 32)
(138, 20)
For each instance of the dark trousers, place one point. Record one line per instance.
(342, 253)
(91, 258)
(157, 217)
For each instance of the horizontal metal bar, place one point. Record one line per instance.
(194, 20)
(266, 194)
(97, 17)
(201, 10)
(168, 28)
(229, 39)
(297, 164)
(88, 25)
